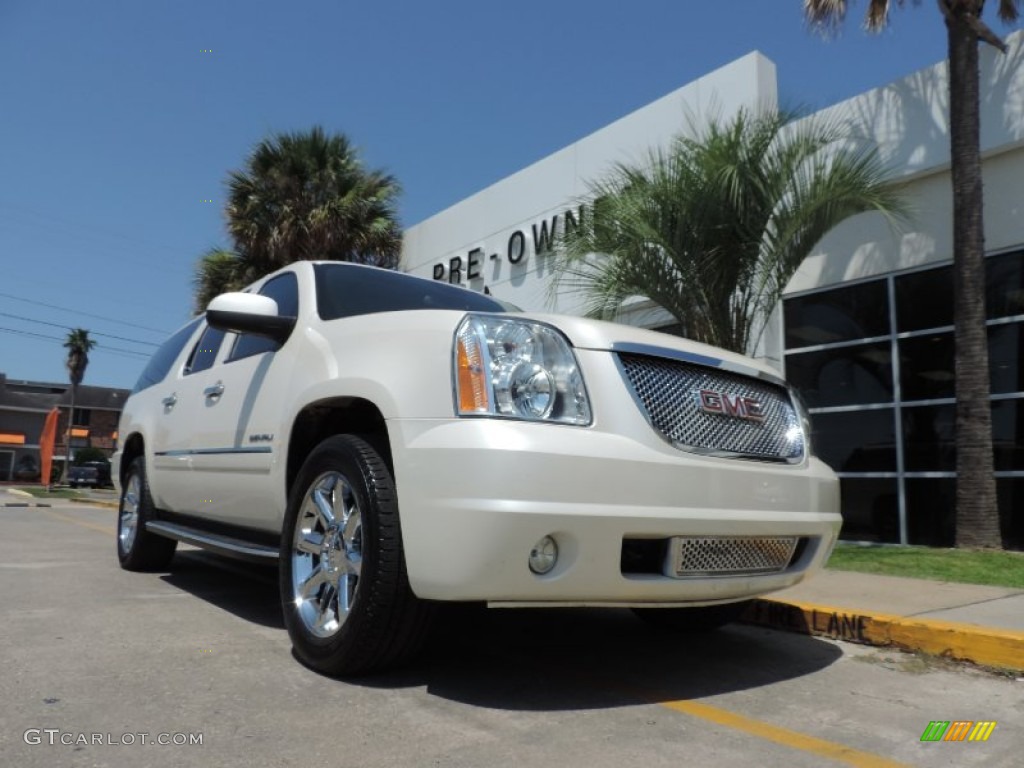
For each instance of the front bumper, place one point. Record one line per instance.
(476, 495)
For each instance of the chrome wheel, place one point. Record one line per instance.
(327, 554)
(129, 521)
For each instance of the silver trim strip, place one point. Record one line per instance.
(707, 361)
(207, 451)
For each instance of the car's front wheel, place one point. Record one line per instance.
(345, 592)
(137, 548)
(698, 619)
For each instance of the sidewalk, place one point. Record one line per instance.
(984, 625)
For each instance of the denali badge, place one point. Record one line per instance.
(730, 405)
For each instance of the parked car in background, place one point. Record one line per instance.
(391, 441)
(103, 477)
(79, 476)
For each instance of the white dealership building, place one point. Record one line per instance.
(865, 330)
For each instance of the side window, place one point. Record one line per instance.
(284, 289)
(205, 351)
(164, 358)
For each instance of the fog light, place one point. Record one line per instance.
(543, 556)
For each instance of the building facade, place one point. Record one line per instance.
(865, 328)
(23, 409)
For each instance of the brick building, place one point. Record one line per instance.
(23, 409)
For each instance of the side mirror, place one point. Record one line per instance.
(249, 313)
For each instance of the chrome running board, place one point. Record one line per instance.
(224, 545)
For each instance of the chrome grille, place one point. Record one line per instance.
(730, 556)
(669, 393)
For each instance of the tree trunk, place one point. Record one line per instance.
(977, 515)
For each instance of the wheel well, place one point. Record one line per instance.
(344, 415)
(133, 447)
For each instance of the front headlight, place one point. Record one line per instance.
(518, 369)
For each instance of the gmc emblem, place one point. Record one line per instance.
(736, 406)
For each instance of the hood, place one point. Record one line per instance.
(585, 333)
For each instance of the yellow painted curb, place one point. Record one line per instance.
(968, 642)
(95, 503)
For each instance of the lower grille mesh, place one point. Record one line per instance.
(728, 556)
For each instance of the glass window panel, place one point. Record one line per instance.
(845, 376)
(870, 509)
(1011, 510)
(926, 367)
(1008, 434)
(856, 441)
(842, 314)
(1004, 285)
(929, 438)
(1005, 357)
(924, 299)
(284, 289)
(931, 513)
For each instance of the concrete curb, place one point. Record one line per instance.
(965, 642)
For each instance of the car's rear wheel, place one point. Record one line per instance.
(137, 548)
(698, 619)
(345, 592)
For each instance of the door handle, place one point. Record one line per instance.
(170, 400)
(215, 391)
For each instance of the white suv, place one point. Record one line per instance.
(393, 441)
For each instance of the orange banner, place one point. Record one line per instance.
(46, 441)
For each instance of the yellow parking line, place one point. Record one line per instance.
(83, 523)
(783, 736)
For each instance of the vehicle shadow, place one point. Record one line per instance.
(563, 659)
(245, 590)
(542, 659)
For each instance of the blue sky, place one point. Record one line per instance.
(116, 124)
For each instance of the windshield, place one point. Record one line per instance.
(345, 290)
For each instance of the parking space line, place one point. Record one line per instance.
(82, 523)
(783, 736)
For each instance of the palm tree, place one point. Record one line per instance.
(219, 271)
(303, 195)
(78, 345)
(977, 514)
(713, 228)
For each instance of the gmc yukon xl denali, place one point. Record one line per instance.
(391, 442)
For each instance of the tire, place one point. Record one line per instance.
(703, 618)
(137, 548)
(345, 591)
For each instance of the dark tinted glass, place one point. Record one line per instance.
(346, 290)
(164, 358)
(870, 509)
(924, 299)
(284, 289)
(1008, 434)
(205, 351)
(929, 438)
(1006, 357)
(844, 376)
(843, 314)
(1010, 491)
(931, 511)
(1004, 282)
(926, 366)
(856, 441)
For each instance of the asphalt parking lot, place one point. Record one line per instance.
(94, 658)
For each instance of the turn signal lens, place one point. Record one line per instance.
(471, 374)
